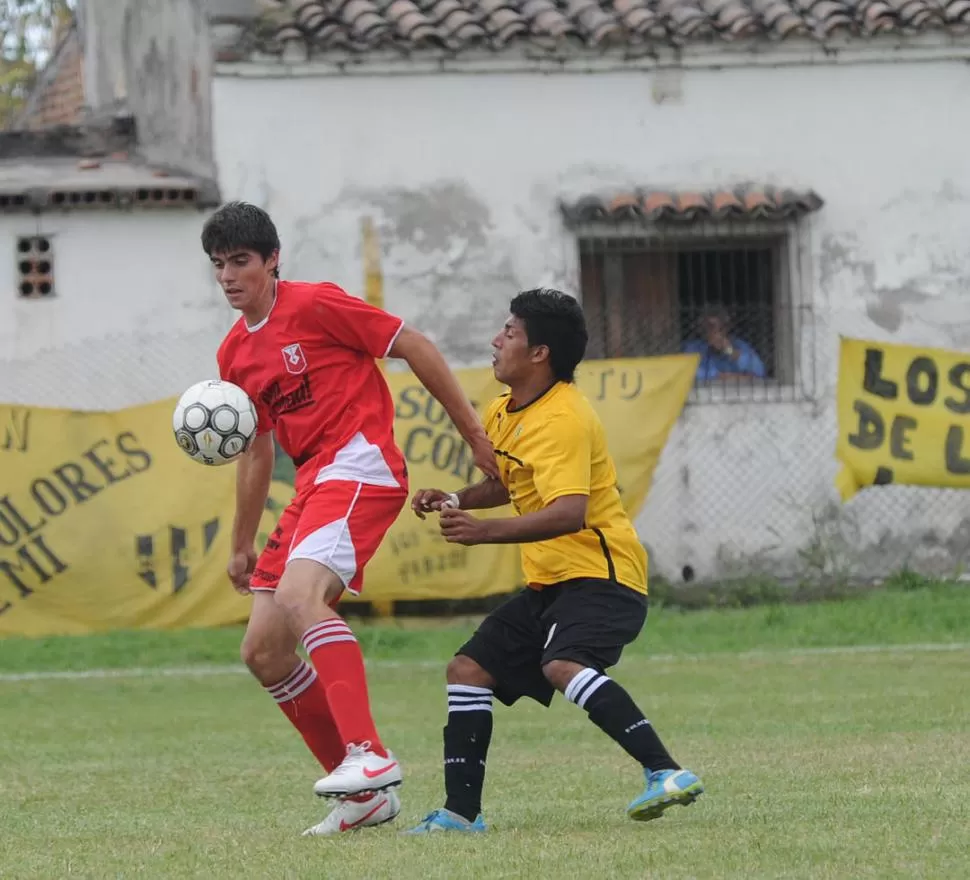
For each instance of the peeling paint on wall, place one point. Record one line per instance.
(886, 308)
(434, 219)
(446, 268)
(466, 207)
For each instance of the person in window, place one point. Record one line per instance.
(722, 354)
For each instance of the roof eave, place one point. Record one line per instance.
(648, 207)
(163, 196)
(300, 60)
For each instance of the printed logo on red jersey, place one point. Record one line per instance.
(279, 401)
(329, 339)
(293, 359)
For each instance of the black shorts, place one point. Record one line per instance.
(587, 620)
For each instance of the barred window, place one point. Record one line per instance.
(729, 294)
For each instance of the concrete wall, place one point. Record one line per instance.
(463, 173)
(153, 60)
(137, 315)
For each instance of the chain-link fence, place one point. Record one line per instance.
(746, 483)
(120, 369)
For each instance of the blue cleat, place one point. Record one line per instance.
(445, 820)
(664, 789)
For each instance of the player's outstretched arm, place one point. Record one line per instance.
(484, 495)
(560, 458)
(563, 516)
(428, 364)
(254, 472)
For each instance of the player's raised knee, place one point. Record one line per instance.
(303, 584)
(264, 660)
(560, 672)
(464, 670)
(294, 593)
(249, 653)
(307, 592)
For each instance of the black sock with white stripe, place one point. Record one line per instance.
(613, 711)
(467, 737)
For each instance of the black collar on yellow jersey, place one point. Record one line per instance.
(509, 409)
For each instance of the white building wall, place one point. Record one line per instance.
(136, 317)
(463, 174)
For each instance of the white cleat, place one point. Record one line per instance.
(361, 772)
(352, 815)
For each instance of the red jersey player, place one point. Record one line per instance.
(305, 354)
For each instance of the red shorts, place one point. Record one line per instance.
(338, 524)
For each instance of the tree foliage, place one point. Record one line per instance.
(29, 33)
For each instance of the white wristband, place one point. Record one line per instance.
(451, 501)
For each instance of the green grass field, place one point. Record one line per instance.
(833, 740)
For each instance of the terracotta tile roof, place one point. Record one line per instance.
(58, 96)
(657, 206)
(319, 26)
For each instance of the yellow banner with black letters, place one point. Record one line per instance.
(106, 524)
(904, 416)
(638, 400)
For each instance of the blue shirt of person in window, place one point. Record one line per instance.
(721, 353)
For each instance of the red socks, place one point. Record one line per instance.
(303, 699)
(338, 661)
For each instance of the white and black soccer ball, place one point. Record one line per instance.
(214, 422)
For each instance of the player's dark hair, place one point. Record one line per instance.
(239, 226)
(553, 319)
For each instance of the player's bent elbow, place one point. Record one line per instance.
(575, 524)
(572, 513)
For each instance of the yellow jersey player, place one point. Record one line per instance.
(584, 566)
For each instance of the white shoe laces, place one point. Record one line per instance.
(356, 752)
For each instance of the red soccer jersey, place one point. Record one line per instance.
(310, 369)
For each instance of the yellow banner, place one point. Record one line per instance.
(638, 400)
(902, 416)
(106, 524)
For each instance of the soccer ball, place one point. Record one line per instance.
(214, 422)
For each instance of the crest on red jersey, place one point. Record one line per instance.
(293, 359)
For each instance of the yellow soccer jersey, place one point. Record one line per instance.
(556, 446)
